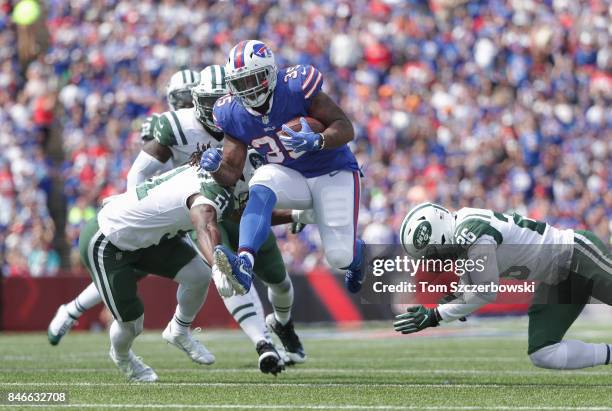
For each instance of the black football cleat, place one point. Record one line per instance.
(291, 341)
(270, 361)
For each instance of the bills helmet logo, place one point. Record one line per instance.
(261, 50)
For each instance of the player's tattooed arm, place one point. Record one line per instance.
(204, 219)
(234, 156)
(339, 129)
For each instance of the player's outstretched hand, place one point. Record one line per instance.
(303, 140)
(416, 318)
(211, 160)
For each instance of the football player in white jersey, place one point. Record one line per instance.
(569, 267)
(142, 230)
(195, 125)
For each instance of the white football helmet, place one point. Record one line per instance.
(178, 90)
(426, 224)
(212, 86)
(251, 72)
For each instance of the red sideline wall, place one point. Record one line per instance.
(28, 304)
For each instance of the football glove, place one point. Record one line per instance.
(211, 160)
(303, 140)
(416, 318)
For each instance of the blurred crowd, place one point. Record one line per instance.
(503, 104)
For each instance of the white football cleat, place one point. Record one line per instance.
(59, 326)
(192, 347)
(133, 367)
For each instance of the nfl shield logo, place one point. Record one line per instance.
(261, 50)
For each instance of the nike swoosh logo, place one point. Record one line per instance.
(333, 173)
(424, 319)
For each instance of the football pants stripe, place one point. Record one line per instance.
(594, 254)
(601, 253)
(356, 189)
(96, 261)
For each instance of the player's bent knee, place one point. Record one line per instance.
(551, 357)
(283, 287)
(339, 258)
(194, 274)
(134, 327)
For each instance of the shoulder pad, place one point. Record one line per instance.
(163, 131)
(304, 79)
(472, 228)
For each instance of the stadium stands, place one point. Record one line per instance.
(499, 104)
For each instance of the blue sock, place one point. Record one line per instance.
(256, 220)
(358, 258)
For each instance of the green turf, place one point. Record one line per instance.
(478, 365)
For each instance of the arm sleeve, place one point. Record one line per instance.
(144, 167)
(484, 250)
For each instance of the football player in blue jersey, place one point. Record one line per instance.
(305, 170)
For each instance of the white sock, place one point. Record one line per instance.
(123, 334)
(281, 297)
(193, 281)
(249, 256)
(571, 355)
(248, 313)
(88, 298)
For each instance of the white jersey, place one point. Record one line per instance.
(525, 248)
(157, 209)
(181, 132)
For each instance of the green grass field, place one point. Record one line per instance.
(478, 365)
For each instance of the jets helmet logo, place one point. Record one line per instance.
(422, 235)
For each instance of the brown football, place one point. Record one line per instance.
(314, 124)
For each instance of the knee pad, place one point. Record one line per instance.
(339, 258)
(282, 287)
(133, 327)
(552, 356)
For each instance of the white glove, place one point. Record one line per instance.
(224, 287)
(303, 216)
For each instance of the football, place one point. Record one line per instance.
(314, 124)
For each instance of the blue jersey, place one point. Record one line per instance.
(295, 88)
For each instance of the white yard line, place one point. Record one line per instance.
(68, 384)
(299, 370)
(302, 407)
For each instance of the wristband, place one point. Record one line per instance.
(322, 141)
